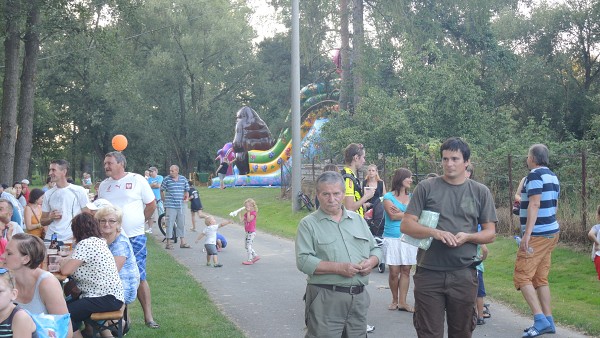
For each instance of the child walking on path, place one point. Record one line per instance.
(249, 218)
(210, 243)
(195, 206)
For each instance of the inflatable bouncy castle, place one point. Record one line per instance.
(259, 158)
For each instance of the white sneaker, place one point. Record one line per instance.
(370, 328)
(149, 231)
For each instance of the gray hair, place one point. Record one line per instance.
(118, 156)
(539, 154)
(330, 177)
(5, 200)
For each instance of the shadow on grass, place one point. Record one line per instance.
(180, 304)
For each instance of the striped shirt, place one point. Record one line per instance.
(541, 181)
(174, 191)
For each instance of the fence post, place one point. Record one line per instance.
(583, 190)
(510, 192)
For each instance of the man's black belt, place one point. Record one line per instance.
(353, 290)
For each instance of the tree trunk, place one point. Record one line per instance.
(346, 87)
(26, 99)
(10, 93)
(358, 41)
(182, 142)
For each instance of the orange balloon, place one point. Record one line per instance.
(119, 142)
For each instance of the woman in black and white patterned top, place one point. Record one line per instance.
(93, 267)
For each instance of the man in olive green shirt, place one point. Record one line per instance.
(337, 252)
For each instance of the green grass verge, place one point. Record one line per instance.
(180, 304)
(573, 282)
(274, 214)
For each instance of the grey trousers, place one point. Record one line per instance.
(175, 215)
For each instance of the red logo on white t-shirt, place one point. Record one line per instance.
(128, 186)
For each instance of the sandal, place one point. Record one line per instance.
(406, 308)
(533, 332)
(185, 246)
(393, 306)
(169, 246)
(152, 324)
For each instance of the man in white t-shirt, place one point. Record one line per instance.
(62, 203)
(132, 193)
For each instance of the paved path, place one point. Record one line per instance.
(265, 299)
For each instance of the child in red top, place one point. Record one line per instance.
(249, 218)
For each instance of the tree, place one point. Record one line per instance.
(24, 142)
(10, 87)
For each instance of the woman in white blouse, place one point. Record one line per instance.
(93, 267)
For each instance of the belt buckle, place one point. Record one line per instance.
(351, 290)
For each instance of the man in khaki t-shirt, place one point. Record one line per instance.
(446, 279)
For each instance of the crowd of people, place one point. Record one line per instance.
(337, 252)
(107, 231)
(335, 246)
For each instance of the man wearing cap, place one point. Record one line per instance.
(26, 191)
(61, 203)
(155, 180)
(131, 193)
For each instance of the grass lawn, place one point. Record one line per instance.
(180, 304)
(573, 282)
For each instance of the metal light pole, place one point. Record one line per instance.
(295, 88)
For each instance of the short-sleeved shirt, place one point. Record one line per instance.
(174, 191)
(353, 188)
(250, 226)
(70, 200)
(541, 181)
(195, 203)
(129, 273)
(131, 193)
(97, 276)
(211, 234)
(320, 238)
(461, 207)
(223, 239)
(158, 179)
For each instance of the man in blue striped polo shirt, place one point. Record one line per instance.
(540, 230)
(174, 193)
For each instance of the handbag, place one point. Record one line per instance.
(72, 291)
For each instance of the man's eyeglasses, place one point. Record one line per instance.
(109, 221)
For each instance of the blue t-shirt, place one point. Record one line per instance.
(392, 227)
(223, 240)
(541, 181)
(158, 179)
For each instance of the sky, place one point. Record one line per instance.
(264, 20)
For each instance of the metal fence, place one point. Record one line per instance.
(578, 175)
